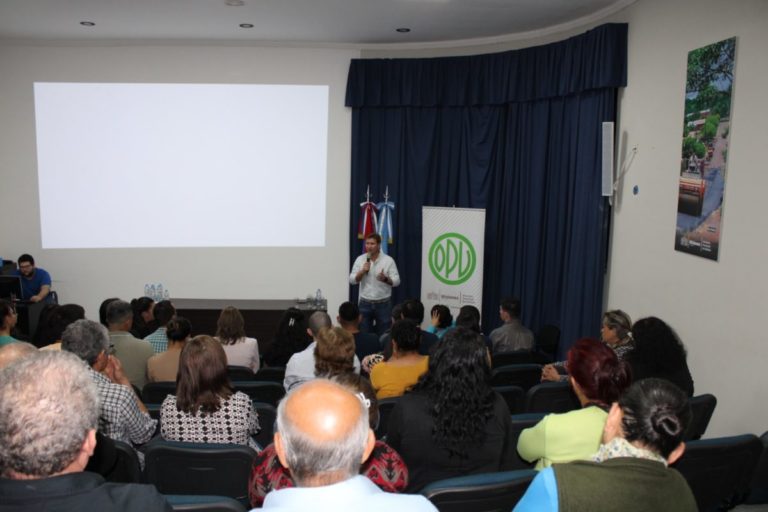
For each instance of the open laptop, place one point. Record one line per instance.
(10, 288)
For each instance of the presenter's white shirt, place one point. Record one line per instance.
(370, 287)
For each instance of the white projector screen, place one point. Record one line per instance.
(181, 165)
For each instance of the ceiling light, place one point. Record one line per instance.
(87, 23)
(246, 25)
(403, 30)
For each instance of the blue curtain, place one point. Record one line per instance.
(517, 133)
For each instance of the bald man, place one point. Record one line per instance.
(322, 438)
(13, 351)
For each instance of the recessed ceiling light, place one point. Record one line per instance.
(403, 30)
(87, 23)
(246, 25)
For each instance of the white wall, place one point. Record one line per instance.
(87, 277)
(716, 307)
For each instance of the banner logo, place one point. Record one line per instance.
(452, 258)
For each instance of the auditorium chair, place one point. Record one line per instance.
(549, 397)
(758, 492)
(155, 392)
(385, 408)
(198, 468)
(267, 417)
(127, 468)
(239, 373)
(487, 492)
(186, 503)
(519, 423)
(270, 374)
(702, 407)
(719, 471)
(548, 340)
(514, 396)
(518, 357)
(524, 375)
(261, 391)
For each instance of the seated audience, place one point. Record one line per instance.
(334, 352)
(58, 320)
(442, 320)
(123, 416)
(301, 366)
(240, 350)
(41, 466)
(392, 378)
(643, 435)
(14, 351)
(659, 353)
(453, 423)
(323, 436)
(133, 353)
(469, 317)
(349, 318)
(384, 466)
(412, 309)
(103, 310)
(163, 312)
(205, 408)
(598, 379)
(8, 318)
(615, 331)
(291, 337)
(143, 317)
(513, 336)
(164, 367)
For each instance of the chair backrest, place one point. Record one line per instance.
(261, 391)
(551, 397)
(719, 471)
(385, 407)
(548, 339)
(702, 407)
(197, 468)
(758, 493)
(488, 492)
(524, 375)
(514, 396)
(519, 423)
(270, 374)
(240, 373)
(155, 392)
(181, 503)
(520, 357)
(267, 417)
(127, 469)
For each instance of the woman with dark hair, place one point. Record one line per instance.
(659, 353)
(643, 434)
(391, 378)
(205, 409)
(469, 317)
(334, 352)
(384, 467)
(598, 379)
(8, 318)
(240, 350)
(291, 337)
(442, 320)
(164, 367)
(143, 317)
(49, 332)
(453, 423)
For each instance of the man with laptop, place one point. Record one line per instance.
(35, 282)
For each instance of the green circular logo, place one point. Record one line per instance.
(452, 258)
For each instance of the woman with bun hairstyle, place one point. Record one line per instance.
(598, 379)
(643, 434)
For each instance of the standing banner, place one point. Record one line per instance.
(453, 241)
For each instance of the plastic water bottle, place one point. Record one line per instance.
(147, 291)
(159, 296)
(318, 298)
(167, 295)
(152, 292)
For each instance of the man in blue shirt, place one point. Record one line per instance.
(35, 282)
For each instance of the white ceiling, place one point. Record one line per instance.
(324, 22)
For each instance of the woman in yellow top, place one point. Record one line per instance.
(392, 378)
(598, 379)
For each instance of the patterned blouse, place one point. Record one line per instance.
(384, 467)
(234, 422)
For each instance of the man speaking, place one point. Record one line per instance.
(377, 274)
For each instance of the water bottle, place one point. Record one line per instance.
(146, 290)
(167, 295)
(152, 292)
(159, 296)
(318, 298)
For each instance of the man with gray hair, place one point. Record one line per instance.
(49, 410)
(132, 352)
(322, 438)
(123, 416)
(301, 365)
